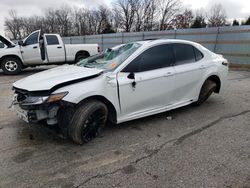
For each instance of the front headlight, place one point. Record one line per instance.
(56, 97)
(32, 100)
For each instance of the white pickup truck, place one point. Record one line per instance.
(37, 49)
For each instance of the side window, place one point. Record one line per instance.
(32, 39)
(184, 54)
(154, 58)
(52, 40)
(198, 54)
(132, 66)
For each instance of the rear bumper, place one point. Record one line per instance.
(224, 79)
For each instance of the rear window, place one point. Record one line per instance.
(52, 40)
(184, 53)
(198, 54)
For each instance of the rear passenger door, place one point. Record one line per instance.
(54, 48)
(190, 71)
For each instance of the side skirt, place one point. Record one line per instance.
(154, 111)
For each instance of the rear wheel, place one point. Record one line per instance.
(87, 121)
(81, 57)
(206, 90)
(11, 66)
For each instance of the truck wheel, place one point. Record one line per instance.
(11, 66)
(206, 90)
(87, 121)
(80, 57)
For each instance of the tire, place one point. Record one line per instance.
(87, 121)
(206, 90)
(64, 116)
(11, 66)
(80, 57)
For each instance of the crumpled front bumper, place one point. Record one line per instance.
(34, 107)
(36, 113)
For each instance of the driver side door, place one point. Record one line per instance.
(30, 49)
(146, 84)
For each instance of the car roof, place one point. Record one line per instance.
(160, 40)
(152, 42)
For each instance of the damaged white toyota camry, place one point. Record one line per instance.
(126, 82)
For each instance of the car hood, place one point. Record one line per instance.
(6, 41)
(55, 78)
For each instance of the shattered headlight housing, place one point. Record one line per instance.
(36, 100)
(33, 100)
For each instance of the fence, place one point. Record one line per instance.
(232, 42)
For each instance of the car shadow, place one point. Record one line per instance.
(41, 134)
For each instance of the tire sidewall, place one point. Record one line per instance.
(18, 63)
(80, 57)
(76, 126)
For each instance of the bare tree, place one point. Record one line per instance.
(145, 14)
(63, 20)
(150, 10)
(13, 25)
(216, 16)
(167, 10)
(126, 15)
(184, 20)
(50, 21)
(125, 12)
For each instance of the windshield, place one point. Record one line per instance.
(110, 58)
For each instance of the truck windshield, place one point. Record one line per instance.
(110, 58)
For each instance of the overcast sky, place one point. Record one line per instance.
(234, 8)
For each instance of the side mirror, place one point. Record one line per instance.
(131, 76)
(20, 43)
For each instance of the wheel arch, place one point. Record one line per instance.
(112, 113)
(82, 52)
(13, 56)
(215, 78)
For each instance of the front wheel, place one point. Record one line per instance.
(11, 66)
(87, 121)
(206, 90)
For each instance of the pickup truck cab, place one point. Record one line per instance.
(37, 49)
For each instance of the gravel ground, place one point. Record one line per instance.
(206, 146)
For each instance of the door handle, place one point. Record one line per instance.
(202, 67)
(168, 74)
(59, 47)
(34, 47)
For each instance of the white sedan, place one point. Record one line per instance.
(124, 83)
